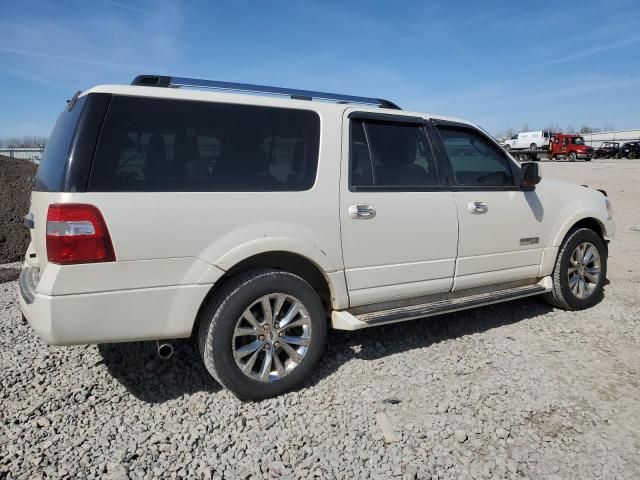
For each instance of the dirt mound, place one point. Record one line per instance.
(16, 181)
(9, 274)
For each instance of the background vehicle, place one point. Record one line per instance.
(607, 150)
(255, 223)
(529, 140)
(571, 147)
(629, 150)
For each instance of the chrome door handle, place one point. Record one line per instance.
(478, 207)
(362, 211)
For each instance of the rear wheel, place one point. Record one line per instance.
(632, 155)
(572, 157)
(618, 156)
(580, 271)
(263, 333)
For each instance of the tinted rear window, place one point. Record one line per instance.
(152, 144)
(51, 172)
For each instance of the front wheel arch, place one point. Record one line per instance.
(591, 223)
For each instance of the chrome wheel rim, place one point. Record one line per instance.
(272, 337)
(584, 270)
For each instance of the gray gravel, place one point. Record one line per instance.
(507, 391)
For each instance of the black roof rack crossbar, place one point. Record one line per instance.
(164, 81)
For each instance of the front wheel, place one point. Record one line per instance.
(507, 147)
(572, 157)
(632, 156)
(580, 271)
(263, 333)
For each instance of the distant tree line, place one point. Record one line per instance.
(27, 141)
(555, 128)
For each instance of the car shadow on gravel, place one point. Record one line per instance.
(137, 367)
(382, 341)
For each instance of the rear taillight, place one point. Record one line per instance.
(77, 233)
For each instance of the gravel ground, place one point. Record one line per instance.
(507, 391)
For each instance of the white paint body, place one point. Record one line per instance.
(172, 248)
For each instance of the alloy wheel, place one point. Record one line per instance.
(272, 337)
(584, 270)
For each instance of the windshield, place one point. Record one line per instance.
(577, 141)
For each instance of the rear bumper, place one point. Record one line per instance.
(113, 316)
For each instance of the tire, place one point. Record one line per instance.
(533, 146)
(572, 157)
(587, 159)
(618, 156)
(220, 339)
(562, 295)
(632, 155)
(507, 147)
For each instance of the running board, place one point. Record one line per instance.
(344, 320)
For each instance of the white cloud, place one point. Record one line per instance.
(589, 52)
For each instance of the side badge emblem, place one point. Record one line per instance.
(530, 241)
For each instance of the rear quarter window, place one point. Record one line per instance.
(150, 144)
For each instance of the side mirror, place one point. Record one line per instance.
(530, 175)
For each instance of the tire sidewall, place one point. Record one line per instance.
(574, 239)
(217, 347)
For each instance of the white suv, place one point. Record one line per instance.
(255, 222)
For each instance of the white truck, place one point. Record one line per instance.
(528, 140)
(254, 223)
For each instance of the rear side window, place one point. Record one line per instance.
(390, 154)
(51, 171)
(475, 160)
(152, 144)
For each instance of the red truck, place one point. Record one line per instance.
(569, 146)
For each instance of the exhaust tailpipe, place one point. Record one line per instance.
(165, 350)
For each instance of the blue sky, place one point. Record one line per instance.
(498, 63)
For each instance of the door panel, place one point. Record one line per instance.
(408, 249)
(500, 225)
(498, 246)
(399, 226)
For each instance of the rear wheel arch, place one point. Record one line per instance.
(284, 261)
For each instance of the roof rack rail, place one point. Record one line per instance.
(176, 82)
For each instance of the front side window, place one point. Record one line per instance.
(390, 154)
(150, 144)
(577, 141)
(475, 160)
